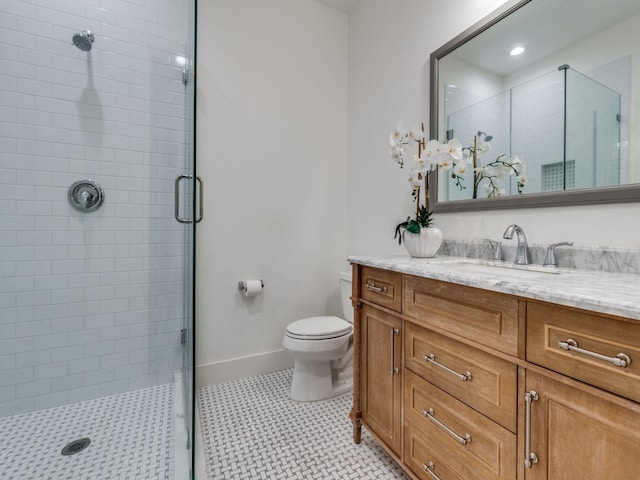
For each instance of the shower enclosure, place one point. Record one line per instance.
(565, 126)
(97, 218)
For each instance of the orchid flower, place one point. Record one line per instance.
(446, 162)
(461, 168)
(398, 134)
(454, 149)
(431, 149)
(414, 181)
(415, 134)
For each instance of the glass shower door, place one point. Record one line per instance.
(593, 131)
(96, 274)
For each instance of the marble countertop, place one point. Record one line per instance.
(613, 293)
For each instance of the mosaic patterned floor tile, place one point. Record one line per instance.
(131, 439)
(251, 430)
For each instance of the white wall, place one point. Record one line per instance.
(272, 149)
(271, 146)
(389, 47)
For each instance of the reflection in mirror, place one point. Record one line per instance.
(564, 104)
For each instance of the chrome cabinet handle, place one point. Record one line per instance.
(394, 370)
(373, 288)
(430, 414)
(428, 467)
(529, 457)
(176, 199)
(465, 377)
(621, 360)
(200, 199)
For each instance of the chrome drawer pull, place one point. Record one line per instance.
(372, 286)
(431, 416)
(529, 457)
(394, 370)
(620, 360)
(465, 377)
(428, 467)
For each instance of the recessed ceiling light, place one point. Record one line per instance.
(517, 51)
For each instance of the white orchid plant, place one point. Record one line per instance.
(431, 155)
(453, 157)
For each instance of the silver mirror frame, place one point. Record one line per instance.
(586, 196)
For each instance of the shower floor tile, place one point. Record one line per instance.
(252, 430)
(131, 439)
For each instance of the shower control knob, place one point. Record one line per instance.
(86, 195)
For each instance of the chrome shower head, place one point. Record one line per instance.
(84, 40)
(487, 137)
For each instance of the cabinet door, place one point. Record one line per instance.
(578, 435)
(380, 375)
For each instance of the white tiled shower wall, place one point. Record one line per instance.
(91, 304)
(536, 118)
(542, 133)
(616, 75)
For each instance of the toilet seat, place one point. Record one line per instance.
(319, 328)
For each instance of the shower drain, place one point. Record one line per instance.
(76, 446)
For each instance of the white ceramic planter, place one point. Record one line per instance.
(424, 244)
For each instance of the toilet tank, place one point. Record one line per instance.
(345, 291)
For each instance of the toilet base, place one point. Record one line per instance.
(314, 381)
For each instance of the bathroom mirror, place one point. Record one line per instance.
(568, 105)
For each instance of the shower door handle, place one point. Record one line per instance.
(176, 199)
(200, 193)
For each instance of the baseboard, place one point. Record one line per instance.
(242, 367)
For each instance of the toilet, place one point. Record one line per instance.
(322, 350)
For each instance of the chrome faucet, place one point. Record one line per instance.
(522, 254)
(550, 258)
(497, 249)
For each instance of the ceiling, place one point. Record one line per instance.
(344, 5)
(544, 27)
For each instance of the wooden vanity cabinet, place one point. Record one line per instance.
(460, 383)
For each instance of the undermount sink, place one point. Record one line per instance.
(500, 268)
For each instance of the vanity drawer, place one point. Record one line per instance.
(441, 427)
(382, 287)
(600, 339)
(486, 317)
(418, 454)
(492, 386)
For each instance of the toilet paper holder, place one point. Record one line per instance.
(242, 285)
